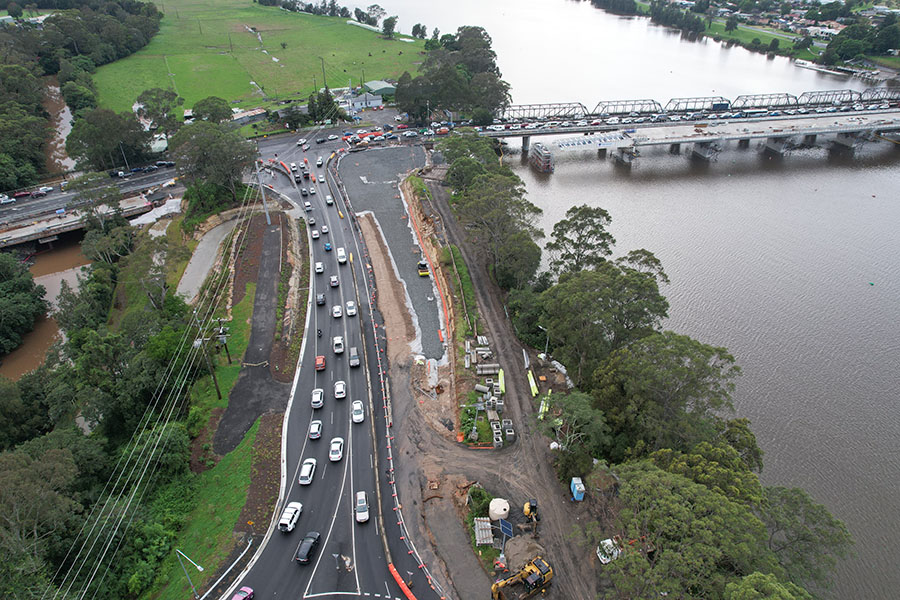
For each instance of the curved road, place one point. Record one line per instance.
(351, 560)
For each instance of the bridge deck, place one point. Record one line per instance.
(714, 130)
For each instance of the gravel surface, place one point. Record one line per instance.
(202, 261)
(372, 180)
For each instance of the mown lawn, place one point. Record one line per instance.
(746, 36)
(204, 48)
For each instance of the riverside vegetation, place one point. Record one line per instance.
(652, 406)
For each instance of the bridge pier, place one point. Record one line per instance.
(744, 144)
(525, 141)
(675, 149)
(625, 156)
(704, 150)
(809, 140)
(776, 145)
(847, 140)
(601, 152)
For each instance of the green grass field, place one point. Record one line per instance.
(746, 36)
(204, 48)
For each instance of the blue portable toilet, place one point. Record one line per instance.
(577, 487)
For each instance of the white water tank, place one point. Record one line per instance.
(498, 509)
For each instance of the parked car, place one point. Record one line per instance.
(321, 141)
(289, 517)
(357, 412)
(307, 471)
(307, 548)
(336, 450)
(331, 137)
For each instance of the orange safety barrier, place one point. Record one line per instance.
(281, 162)
(403, 587)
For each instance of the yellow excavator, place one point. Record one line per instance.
(532, 579)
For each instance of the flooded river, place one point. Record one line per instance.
(61, 122)
(50, 269)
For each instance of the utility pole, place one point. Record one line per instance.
(123, 156)
(324, 81)
(178, 555)
(200, 342)
(223, 339)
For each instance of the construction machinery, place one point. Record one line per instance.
(532, 579)
(530, 510)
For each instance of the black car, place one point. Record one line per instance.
(307, 548)
(320, 299)
(321, 141)
(305, 174)
(297, 178)
(150, 169)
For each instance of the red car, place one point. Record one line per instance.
(402, 126)
(21, 194)
(320, 363)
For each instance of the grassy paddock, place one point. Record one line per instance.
(204, 48)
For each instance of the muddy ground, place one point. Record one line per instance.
(429, 458)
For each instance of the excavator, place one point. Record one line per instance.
(532, 579)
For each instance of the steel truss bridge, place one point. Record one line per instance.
(642, 107)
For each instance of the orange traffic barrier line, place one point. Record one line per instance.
(403, 587)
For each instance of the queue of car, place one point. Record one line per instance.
(306, 550)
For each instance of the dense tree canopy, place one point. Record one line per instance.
(208, 152)
(459, 73)
(589, 314)
(581, 240)
(213, 109)
(21, 302)
(664, 391)
(102, 139)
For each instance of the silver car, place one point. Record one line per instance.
(351, 308)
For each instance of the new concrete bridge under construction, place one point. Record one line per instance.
(622, 127)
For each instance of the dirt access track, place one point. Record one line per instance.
(434, 471)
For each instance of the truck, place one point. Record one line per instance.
(532, 579)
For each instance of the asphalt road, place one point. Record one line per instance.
(27, 208)
(351, 559)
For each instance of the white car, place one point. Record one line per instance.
(410, 134)
(340, 389)
(293, 167)
(357, 412)
(4, 199)
(332, 137)
(307, 471)
(46, 189)
(334, 281)
(312, 191)
(315, 429)
(338, 344)
(351, 308)
(336, 450)
(315, 234)
(324, 229)
(301, 141)
(362, 507)
(336, 311)
(318, 398)
(329, 200)
(320, 267)
(289, 517)
(319, 162)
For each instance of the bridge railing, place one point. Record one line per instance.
(625, 107)
(765, 101)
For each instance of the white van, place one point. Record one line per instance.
(341, 255)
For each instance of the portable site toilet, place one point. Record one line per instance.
(577, 488)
